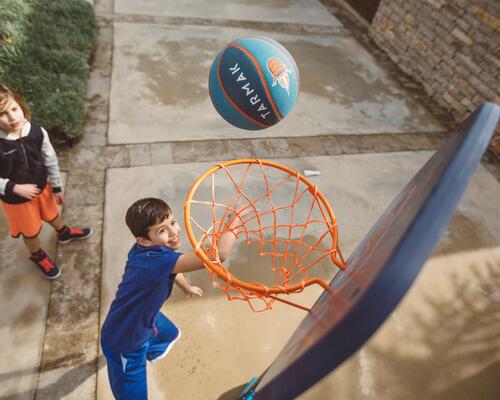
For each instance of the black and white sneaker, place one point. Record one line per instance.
(45, 265)
(69, 234)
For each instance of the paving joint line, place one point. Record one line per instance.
(168, 152)
(282, 27)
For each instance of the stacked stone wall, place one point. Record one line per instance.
(452, 47)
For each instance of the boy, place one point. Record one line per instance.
(135, 330)
(30, 183)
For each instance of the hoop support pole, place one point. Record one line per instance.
(289, 303)
(320, 282)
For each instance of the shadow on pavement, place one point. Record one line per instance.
(63, 386)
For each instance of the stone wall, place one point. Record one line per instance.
(451, 46)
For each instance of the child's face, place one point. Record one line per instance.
(167, 233)
(11, 117)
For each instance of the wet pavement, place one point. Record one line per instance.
(151, 129)
(160, 75)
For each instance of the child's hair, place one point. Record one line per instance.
(145, 213)
(7, 94)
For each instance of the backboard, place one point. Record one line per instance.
(382, 268)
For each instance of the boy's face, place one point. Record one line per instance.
(11, 117)
(167, 233)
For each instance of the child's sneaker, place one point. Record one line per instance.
(69, 234)
(45, 265)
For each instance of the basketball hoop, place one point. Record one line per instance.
(270, 206)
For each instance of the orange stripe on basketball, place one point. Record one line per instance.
(231, 101)
(262, 78)
(291, 62)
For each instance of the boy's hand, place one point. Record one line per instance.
(234, 217)
(237, 212)
(193, 291)
(26, 190)
(59, 198)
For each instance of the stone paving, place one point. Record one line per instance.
(160, 76)
(110, 167)
(23, 317)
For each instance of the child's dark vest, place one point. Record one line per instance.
(21, 162)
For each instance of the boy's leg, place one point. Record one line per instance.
(127, 373)
(57, 223)
(49, 213)
(41, 259)
(166, 335)
(66, 234)
(25, 219)
(33, 244)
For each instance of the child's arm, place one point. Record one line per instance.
(52, 164)
(26, 190)
(3, 185)
(186, 287)
(191, 262)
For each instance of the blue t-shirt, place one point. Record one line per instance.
(146, 284)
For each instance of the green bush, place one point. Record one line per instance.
(66, 122)
(46, 60)
(13, 13)
(64, 24)
(62, 61)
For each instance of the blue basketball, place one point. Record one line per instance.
(254, 82)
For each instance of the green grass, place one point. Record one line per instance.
(45, 49)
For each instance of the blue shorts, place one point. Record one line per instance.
(127, 371)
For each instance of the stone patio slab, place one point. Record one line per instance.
(434, 336)
(24, 296)
(291, 11)
(159, 88)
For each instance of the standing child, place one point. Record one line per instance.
(135, 331)
(27, 160)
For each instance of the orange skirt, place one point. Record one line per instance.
(26, 218)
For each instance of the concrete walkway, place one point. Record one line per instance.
(151, 129)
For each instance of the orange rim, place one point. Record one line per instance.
(256, 287)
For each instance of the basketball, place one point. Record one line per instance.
(254, 82)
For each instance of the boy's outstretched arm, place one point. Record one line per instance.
(191, 262)
(186, 287)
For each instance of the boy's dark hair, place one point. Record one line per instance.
(145, 213)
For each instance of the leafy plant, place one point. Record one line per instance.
(45, 50)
